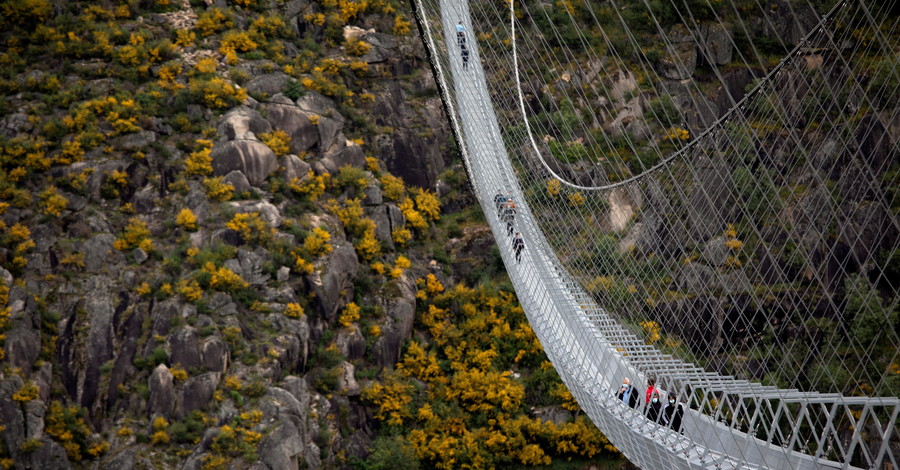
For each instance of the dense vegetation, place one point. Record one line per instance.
(111, 202)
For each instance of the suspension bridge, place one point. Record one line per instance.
(712, 211)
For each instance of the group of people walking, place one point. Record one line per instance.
(669, 415)
(506, 212)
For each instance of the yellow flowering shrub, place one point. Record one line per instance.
(251, 227)
(393, 187)
(553, 187)
(27, 12)
(349, 315)
(66, 425)
(278, 141)
(212, 21)
(356, 47)
(136, 235)
(373, 165)
(185, 38)
(217, 190)
(237, 41)
(651, 330)
(312, 187)
(225, 280)
(143, 289)
(186, 220)
(216, 92)
(206, 65)
(190, 290)
(53, 203)
(368, 247)
(178, 373)
(401, 236)
(199, 162)
(576, 199)
(27, 392)
(427, 203)
(233, 382)
(293, 310)
(433, 285)
(413, 217)
(401, 26)
(392, 399)
(316, 244)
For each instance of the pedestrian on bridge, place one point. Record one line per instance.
(518, 246)
(651, 389)
(653, 408)
(628, 394)
(465, 57)
(499, 201)
(460, 34)
(509, 216)
(672, 413)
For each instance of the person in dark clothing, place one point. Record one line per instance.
(652, 409)
(628, 394)
(518, 246)
(672, 413)
(509, 216)
(465, 57)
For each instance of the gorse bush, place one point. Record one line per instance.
(471, 411)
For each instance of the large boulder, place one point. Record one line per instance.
(680, 58)
(162, 392)
(296, 123)
(184, 345)
(307, 123)
(336, 283)
(402, 309)
(252, 158)
(281, 447)
(23, 345)
(99, 253)
(351, 343)
(198, 392)
(214, 354)
(715, 43)
(86, 339)
(238, 122)
(706, 211)
(382, 47)
(347, 384)
(407, 152)
(349, 154)
(268, 84)
(295, 167)
(696, 278)
(249, 265)
(388, 218)
(266, 210)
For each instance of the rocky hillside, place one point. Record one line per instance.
(234, 235)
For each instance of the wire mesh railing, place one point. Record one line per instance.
(754, 276)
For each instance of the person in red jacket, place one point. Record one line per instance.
(651, 389)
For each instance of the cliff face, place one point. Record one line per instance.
(179, 179)
(221, 220)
